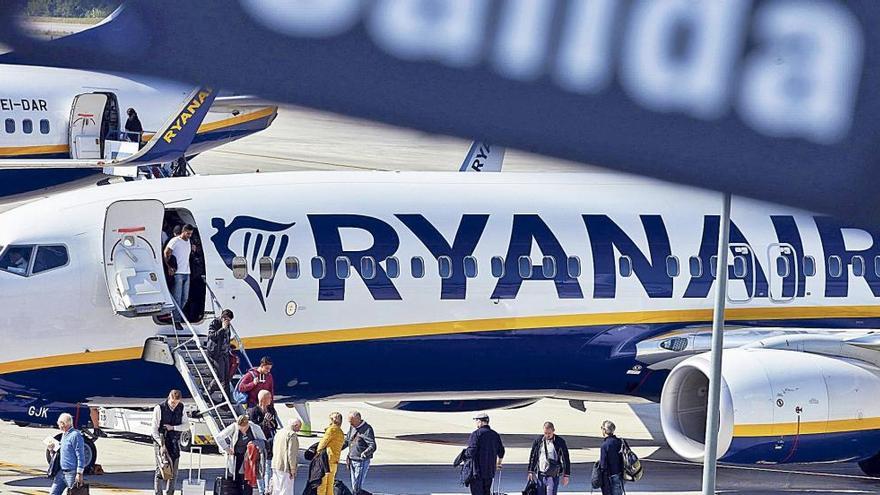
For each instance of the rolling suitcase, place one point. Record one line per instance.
(225, 486)
(194, 486)
(496, 484)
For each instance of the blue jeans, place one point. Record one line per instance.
(612, 485)
(180, 290)
(358, 471)
(265, 481)
(64, 479)
(547, 485)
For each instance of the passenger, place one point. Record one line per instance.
(181, 248)
(133, 127)
(285, 455)
(361, 444)
(265, 416)
(73, 455)
(256, 379)
(486, 451)
(244, 435)
(219, 347)
(611, 461)
(169, 421)
(549, 460)
(332, 443)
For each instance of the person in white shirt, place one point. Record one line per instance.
(181, 248)
(169, 421)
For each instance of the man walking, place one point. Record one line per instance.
(486, 451)
(181, 248)
(361, 444)
(169, 420)
(610, 461)
(549, 460)
(265, 416)
(219, 346)
(256, 379)
(73, 457)
(285, 457)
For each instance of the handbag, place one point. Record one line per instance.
(554, 467)
(531, 488)
(82, 489)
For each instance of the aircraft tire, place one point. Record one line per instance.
(871, 466)
(91, 453)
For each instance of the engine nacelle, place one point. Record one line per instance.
(776, 407)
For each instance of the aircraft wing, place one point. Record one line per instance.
(165, 146)
(229, 104)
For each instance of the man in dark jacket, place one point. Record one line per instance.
(549, 460)
(610, 461)
(218, 346)
(361, 443)
(487, 451)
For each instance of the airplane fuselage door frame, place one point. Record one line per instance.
(741, 271)
(782, 272)
(85, 126)
(132, 256)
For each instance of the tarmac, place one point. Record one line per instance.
(416, 449)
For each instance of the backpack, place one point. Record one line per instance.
(632, 466)
(239, 397)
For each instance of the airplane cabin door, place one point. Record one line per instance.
(133, 261)
(783, 272)
(86, 123)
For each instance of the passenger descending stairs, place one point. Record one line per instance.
(191, 360)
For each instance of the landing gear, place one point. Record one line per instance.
(871, 466)
(91, 452)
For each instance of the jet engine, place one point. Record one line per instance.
(777, 406)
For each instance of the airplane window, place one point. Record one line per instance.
(835, 266)
(525, 267)
(44, 126)
(239, 267)
(291, 266)
(49, 257)
(368, 267)
(470, 267)
(695, 266)
(740, 267)
(672, 268)
(444, 266)
(318, 267)
(10, 126)
(417, 265)
(574, 267)
(810, 266)
(713, 265)
(782, 268)
(343, 267)
(858, 266)
(27, 126)
(498, 266)
(625, 265)
(548, 267)
(877, 265)
(16, 260)
(392, 267)
(266, 269)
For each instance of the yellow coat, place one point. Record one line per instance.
(332, 441)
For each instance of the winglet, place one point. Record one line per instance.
(483, 157)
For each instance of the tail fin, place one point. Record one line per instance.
(483, 157)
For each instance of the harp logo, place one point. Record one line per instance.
(249, 239)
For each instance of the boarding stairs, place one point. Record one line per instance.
(188, 349)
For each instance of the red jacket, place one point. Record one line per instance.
(252, 464)
(252, 388)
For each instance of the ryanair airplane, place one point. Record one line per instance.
(410, 289)
(54, 118)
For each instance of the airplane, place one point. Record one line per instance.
(443, 291)
(52, 115)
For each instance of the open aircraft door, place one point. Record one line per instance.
(133, 262)
(86, 124)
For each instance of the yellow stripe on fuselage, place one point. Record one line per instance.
(468, 326)
(33, 150)
(806, 428)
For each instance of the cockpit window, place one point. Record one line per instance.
(49, 257)
(16, 260)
